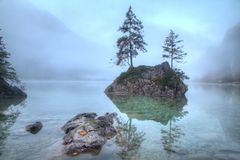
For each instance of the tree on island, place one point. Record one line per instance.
(132, 41)
(7, 72)
(174, 52)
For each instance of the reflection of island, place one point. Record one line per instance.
(164, 110)
(128, 139)
(8, 116)
(150, 108)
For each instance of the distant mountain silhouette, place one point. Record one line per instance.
(38, 39)
(225, 59)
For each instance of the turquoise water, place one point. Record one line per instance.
(204, 125)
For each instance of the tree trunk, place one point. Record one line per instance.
(131, 61)
(131, 57)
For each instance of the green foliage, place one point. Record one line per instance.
(173, 51)
(7, 72)
(132, 40)
(169, 80)
(132, 74)
(180, 74)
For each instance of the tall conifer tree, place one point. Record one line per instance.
(7, 72)
(172, 49)
(132, 41)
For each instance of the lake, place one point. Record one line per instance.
(204, 125)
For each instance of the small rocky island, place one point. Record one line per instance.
(87, 133)
(159, 81)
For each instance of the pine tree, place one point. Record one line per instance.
(7, 72)
(132, 41)
(172, 48)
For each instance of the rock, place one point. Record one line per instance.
(73, 123)
(34, 128)
(158, 81)
(8, 91)
(88, 133)
(3, 115)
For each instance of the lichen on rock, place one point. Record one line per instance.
(87, 133)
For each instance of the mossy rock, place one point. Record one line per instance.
(132, 74)
(159, 80)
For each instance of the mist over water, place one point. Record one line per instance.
(64, 53)
(74, 41)
(224, 60)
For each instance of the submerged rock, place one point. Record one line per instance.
(159, 81)
(2, 115)
(8, 91)
(88, 133)
(5, 116)
(34, 128)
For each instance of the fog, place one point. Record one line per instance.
(76, 40)
(223, 61)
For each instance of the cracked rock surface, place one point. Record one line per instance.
(156, 81)
(86, 132)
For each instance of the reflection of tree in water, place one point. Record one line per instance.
(128, 139)
(8, 116)
(163, 110)
(171, 136)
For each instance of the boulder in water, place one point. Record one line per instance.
(34, 128)
(87, 133)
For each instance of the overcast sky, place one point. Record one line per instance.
(75, 39)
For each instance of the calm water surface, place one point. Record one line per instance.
(205, 125)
